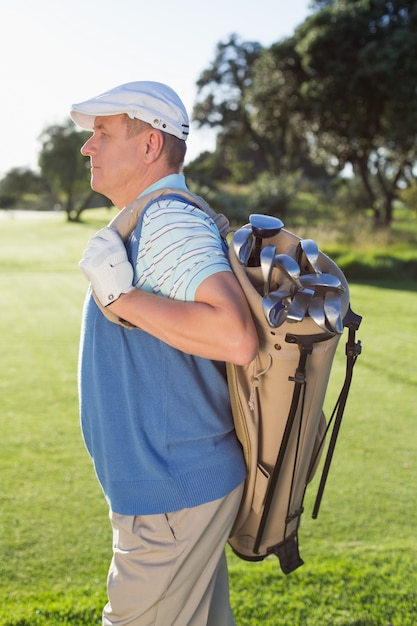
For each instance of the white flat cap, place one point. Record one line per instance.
(152, 102)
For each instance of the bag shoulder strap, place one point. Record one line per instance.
(125, 221)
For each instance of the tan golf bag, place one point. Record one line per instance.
(277, 403)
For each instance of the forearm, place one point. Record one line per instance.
(221, 329)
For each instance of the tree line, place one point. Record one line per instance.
(337, 97)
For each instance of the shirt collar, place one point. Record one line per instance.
(177, 181)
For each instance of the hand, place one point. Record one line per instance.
(106, 266)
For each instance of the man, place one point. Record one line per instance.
(154, 403)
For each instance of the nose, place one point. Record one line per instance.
(88, 148)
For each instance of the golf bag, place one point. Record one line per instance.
(300, 306)
(278, 399)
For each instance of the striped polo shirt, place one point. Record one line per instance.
(178, 246)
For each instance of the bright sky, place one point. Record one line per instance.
(56, 52)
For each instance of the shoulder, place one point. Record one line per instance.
(179, 246)
(177, 219)
(173, 208)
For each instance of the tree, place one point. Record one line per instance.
(63, 165)
(18, 182)
(222, 105)
(249, 143)
(276, 108)
(341, 91)
(347, 81)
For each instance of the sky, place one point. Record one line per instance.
(57, 52)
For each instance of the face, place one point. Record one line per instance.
(116, 162)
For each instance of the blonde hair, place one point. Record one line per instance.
(174, 148)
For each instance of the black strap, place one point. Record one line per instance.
(353, 350)
(305, 344)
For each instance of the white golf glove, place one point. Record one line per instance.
(105, 264)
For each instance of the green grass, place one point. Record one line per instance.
(55, 540)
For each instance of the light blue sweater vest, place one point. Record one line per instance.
(156, 422)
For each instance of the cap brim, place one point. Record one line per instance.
(83, 120)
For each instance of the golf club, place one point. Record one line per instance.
(299, 305)
(316, 312)
(290, 267)
(275, 305)
(332, 312)
(307, 255)
(242, 243)
(267, 258)
(321, 282)
(263, 227)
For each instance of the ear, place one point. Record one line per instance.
(153, 146)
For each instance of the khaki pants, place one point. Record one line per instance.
(170, 570)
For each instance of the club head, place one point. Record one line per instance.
(299, 305)
(242, 243)
(275, 312)
(332, 305)
(322, 282)
(267, 257)
(290, 268)
(284, 292)
(275, 306)
(265, 226)
(307, 256)
(316, 312)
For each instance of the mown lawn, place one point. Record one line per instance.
(55, 543)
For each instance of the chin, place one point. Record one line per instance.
(95, 186)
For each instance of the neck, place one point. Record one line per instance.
(127, 195)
